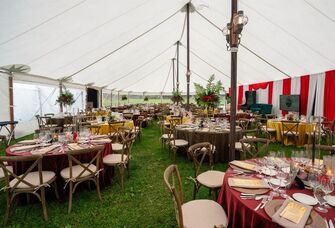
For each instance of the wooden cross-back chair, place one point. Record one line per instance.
(211, 179)
(138, 127)
(253, 147)
(243, 123)
(45, 123)
(290, 129)
(79, 172)
(195, 213)
(175, 120)
(262, 126)
(113, 127)
(173, 142)
(30, 182)
(326, 148)
(121, 160)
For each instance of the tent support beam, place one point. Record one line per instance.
(178, 43)
(233, 83)
(188, 72)
(173, 74)
(11, 101)
(60, 92)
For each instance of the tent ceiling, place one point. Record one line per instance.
(59, 38)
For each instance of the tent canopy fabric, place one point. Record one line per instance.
(69, 39)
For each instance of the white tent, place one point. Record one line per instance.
(128, 45)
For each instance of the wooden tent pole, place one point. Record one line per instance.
(233, 81)
(188, 72)
(60, 92)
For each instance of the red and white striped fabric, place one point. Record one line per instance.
(317, 93)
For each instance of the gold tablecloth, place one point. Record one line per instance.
(303, 128)
(105, 127)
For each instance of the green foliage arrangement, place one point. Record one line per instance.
(111, 118)
(209, 96)
(176, 97)
(124, 97)
(146, 98)
(66, 98)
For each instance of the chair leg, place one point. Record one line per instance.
(8, 206)
(195, 190)
(56, 189)
(98, 187)
(121, 171)
(128, 168)
(70, 197)
(44, 205)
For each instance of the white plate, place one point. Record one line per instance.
(269, 172)
(286, 170)
(277, 182)
(306, 199)
(330, 200)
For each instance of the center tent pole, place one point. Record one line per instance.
(188, 72)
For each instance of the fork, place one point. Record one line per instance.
(260, 204)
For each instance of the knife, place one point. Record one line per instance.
(327, 226)
(331, 224)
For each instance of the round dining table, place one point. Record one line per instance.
(241, 212)
(219, 138)
(104, 127)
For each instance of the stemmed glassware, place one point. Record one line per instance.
(328, 187)
(319, 194)
(259, 167)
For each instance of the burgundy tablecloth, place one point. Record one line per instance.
(57, 161)
(241, 211)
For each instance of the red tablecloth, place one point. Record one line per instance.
(57, 161)
(241, 211)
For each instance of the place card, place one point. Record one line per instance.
(293, 212)
(74, 146)
(243, 165)
(247, 183)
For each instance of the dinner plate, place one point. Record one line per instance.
(269, 172)
(306, 199)
(286, 170)
(330, 200)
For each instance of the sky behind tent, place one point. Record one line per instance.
(60, 38)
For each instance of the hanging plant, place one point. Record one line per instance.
(66, 98)
(124, 97)
(209, 96)
(176, 97)
(146, 98)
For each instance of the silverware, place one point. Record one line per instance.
(326, 222)
(331, 224)
(268, 199)
(260, 204)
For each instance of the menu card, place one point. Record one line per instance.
(293, 212)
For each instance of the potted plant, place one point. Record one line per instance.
(208, 97)
(146, 98)
(124, 98)
(176, 97)
(66, 99)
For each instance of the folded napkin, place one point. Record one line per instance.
(21, 148)
(99, 136)
(100, 141)
(292, 214)
(28, 142)
(243, 165)
(74, 146)
(45, 149)
(247, 183)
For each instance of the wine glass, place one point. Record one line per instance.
(259, 167)
(313, 180)
(319, 194)
(284, 179)
(328, 187)
(273, 185)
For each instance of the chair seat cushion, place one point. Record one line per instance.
(211, 178)
(76, 170)
(33, 178)
(113, 159)
(179, 142)
(117, 146)
(166, 136)
(203, 214)
(2, 175)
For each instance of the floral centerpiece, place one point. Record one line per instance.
(176, 97)
(66, 98)
(209, 96)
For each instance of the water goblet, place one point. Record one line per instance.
(319, 195)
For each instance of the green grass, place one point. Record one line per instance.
(145, 201)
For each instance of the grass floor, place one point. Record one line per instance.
(145, 201)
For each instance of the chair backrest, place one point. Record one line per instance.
(170, 131)
(174, 121)
(36, 161)
(94, 127)
(253, 147)
(325, 148)
(128, 116)
(199, 152)
(243, 123)
(71, 154)
(127, 146)
(290, 126)
(173, 183)
(113, 127)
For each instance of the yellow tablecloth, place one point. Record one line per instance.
(303, 128)
(105, 127)
(184, 120)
